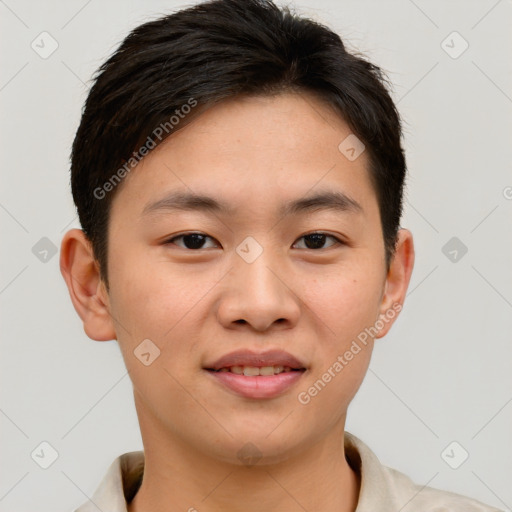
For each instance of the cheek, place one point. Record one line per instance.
(150, 304)
(346, 302)
(146, 295)
(161, 303)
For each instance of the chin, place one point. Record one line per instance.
(255, 448)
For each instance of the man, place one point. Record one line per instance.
(238, 177)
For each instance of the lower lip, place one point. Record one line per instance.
(261, 386)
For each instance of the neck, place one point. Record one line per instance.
(178, 477)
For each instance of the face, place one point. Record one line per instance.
(253, 275)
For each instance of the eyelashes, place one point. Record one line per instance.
(194, 241)
(319, 237)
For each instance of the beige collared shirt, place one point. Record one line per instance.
(383, 489)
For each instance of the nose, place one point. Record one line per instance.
(258, 294)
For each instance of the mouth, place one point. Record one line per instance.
(252, 363)
(256, 371)
(253, 374)
(256, 382)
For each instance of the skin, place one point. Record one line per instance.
(198, 304)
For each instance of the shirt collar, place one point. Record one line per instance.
(375, 491)
(124, 477)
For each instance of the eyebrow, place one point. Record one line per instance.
(320, 201)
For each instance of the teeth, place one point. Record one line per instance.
(254, 370)
(251, 370)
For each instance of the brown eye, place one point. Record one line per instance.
(317, 240)
(190, 240)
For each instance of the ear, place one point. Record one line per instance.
(397, 281)
(88, 293)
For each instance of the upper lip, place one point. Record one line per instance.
(257, 359)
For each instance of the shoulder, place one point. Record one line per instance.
(421, 498)
(388, 490)
(118, 485)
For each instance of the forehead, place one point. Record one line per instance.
(252, 150)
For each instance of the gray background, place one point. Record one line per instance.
(443, 372)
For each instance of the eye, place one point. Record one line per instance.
(191, 240)
(317, 240)
(196, 241)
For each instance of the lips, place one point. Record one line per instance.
(247, 358)
(257, 375)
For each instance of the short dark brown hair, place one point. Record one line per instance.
(205, 54)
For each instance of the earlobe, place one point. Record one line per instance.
(88, 295)
(397, 280)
